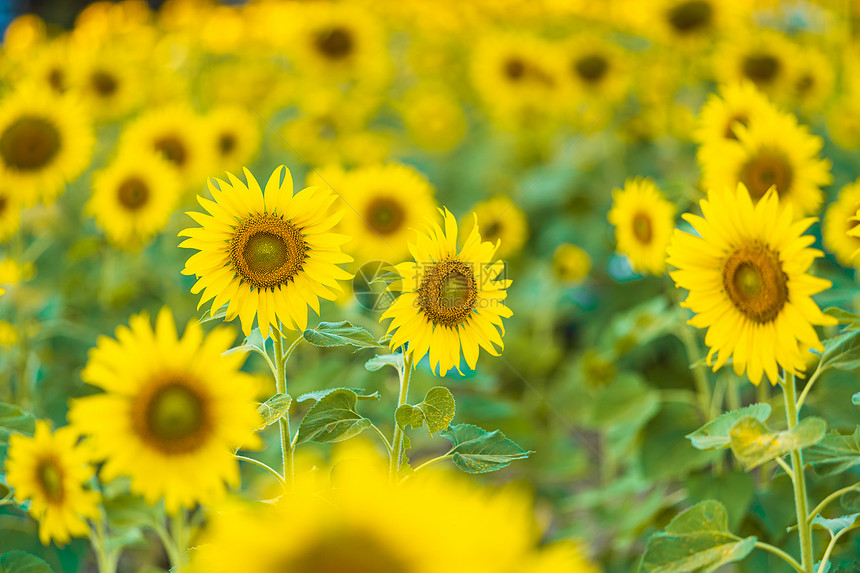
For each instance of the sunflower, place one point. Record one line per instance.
(433, 117)
(349, 528)
(692, 23)
(766, 58)
(173, 411)
(643, 220)
(49, 68)
(738, 104)
(597, 71)
(177, 134)
(10, 214)
(814, 80)
(451, 301)
(269, 254)
(500, 221)
(106, 82)
(234, 135)
(133, 198)
(386, 202)
(837, 228)
(50, 471)
(570, 264)
(45, 142)
(746, 276)
(774, 151)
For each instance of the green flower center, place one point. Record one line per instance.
(50, 478)
(133, 193)
(688, 17)
(448, 293)
(755, 283)
(267, 251)
(30, 143)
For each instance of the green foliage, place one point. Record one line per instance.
(627, 399)
(333, 418)
(715, 434)
(754, 444)
(13, 419)
(835, 453)
(343, 333)
(841, 352)
(317, 395)
(698, 539)
(734, 489)
(477, 451)
(437, 410)
(22, 562)
(254, 342)
(837, 524)
(664, 452)
(274, 409)
(381, 360)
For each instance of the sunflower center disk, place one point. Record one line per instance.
(355, 552)
(449, 293)
(174, 418)
(765, 169)
(642, 229)
(592, 68)
(729, 132)
(30, 143)
(226, 143)
(385, 216)
(57, 80)
(51, 479)
(267, 251)
(335, 44)
(172, 148)
(761, 68)
(690, 16)
(755, 282)
(5, 203)
(104, 83)
(133, 193)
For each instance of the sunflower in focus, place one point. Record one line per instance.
(268, 254)
(746, 273)
(10, 214)
(773, 151)
(643, 219)
(45, 142)
(50, 471)
(234, 135)
(837, 227)
(386, 203)
(451, 301)
(737, 104)
(133, 198)
(173, 410)
(766, 58)
(500, 221)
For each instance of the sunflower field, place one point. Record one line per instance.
(410, 286)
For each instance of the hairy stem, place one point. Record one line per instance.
(800, 500)
(405, 374)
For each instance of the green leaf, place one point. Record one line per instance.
(14, 419)
(836, 524)
(715, 434)
(128, 511)
(208, 316)
(437, 410)
(343, 333)
(478, 451)
(377, 362)
(274, 409)
(407, 415)
(835, 453)
(318, 395)
(841, 352)
(753, 444)
(850, 501)
(254, 342)
(697, 539)
(844, 317)
(734, 489)
(22, 562)
(333, 419)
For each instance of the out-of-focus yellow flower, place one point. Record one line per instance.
(643, 219)
(571, 264)
(433, 117)
(234, 135)
(839, 221)
(765, 57)
(499, 220)
(8, 333)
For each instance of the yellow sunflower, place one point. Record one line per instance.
(452, 301)
(746, 273)
(107, 83)
(10, 214)
(173, 411)
(133, 198)
(49, 68)
(570, 264)
(598, 73)
(433, 117)
(737, 104)
(839, 222)
(692, 23)
(45, 142)
(766, 58)
(814, 80)
(177, 134)
(774, 151)
(50, 471)
(234, 134)
(643, 219)
(500, 221)
(385, 203)
(269, 254)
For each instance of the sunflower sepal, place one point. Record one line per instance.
(343, 333)
(254, 342)
(213, 314)
(436, 411)
(754, 444)
(477, 451)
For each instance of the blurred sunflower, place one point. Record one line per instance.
(177, 134)
(173, 411)
(451, 301)
(45, 142)
(386, 203)
(746, 273)
(565, 555)
(814, 80)
(234, 135)
(570, 264)
(269, 254)
(500, 221)
(839, 222)
(598, 76)
(692, 23)
(133, 198)
(766, 58)
(49, 68)
(773, 151)
(737, 104)
(50, 471)
(433, 117)
(10, 214)
(106, 82)
(643, 219)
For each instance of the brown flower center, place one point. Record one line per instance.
(4, 203)
(729, 132)
(755, 283)
(172, 148)
(49, 476)
(57, 80)
(267, 251)
(804, 84)
(642, 228)
(385, 215)
(172, 417)
(519, 70)
(448, 293)
(133, 193)
(591, 68)
(340, 551)
(335, 44)
(104, 83)
(688, 17)
(227, 143)
(761, 68)
(766, 168)
(30, 143)
(492, 231)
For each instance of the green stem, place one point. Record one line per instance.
(287, 448)
(260, 464)
(800, 500)
(699, 377)
(826, 501)
(808, 387)
(833, 539)
(105, 561)
(405, 374)
(781, 554)
(180, 539)
(384, 439)
(433, 461)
